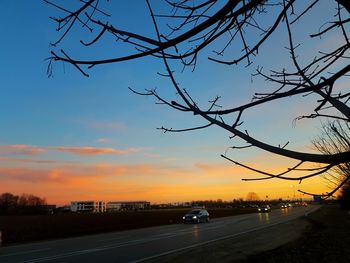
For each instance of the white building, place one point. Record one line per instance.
(88, 206)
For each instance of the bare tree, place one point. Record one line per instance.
(8, 202)
(237, 30)
(25, 203)
(31, 200)
(344, 198)
(252, 196)
(335, 138)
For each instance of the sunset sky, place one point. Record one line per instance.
(70, 137)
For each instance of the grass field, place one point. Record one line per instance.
(20, 229)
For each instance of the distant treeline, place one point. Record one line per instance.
(11, 204)
(219, 203)
(235, 203)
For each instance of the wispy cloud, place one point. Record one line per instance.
(22, 149)
(21, 160)
(75, 174)
(95, 150)
(25, 175)
(103, 140)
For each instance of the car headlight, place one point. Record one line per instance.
(259, 209)
(183, 217)
(194, 217)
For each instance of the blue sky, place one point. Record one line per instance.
(40, 114)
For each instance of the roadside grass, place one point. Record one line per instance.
(20, 229)
(326, 239)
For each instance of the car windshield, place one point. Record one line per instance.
(194, 212)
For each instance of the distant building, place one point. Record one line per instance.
(88, 206)
(127, 205)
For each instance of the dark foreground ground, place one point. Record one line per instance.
(323, 236)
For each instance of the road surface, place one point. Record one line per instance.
(148, 243)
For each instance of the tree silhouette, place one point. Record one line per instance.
(344, 198)
(335, 138)
(252, 196)
(8, 202)
(237, 31)
(25, 203)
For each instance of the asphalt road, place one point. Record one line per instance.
(148, 243)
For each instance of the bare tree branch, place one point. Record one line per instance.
(237, 31)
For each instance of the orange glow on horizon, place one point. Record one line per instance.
(154, 183)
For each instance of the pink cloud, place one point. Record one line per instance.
(20, 160)
(66, 175)
(87, 179)
(22, 149)
(24, 174)
(94, 150)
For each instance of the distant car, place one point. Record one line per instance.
(264, 209)
(196, 216)
(284, 205)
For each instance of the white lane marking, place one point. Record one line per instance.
(24, 252)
